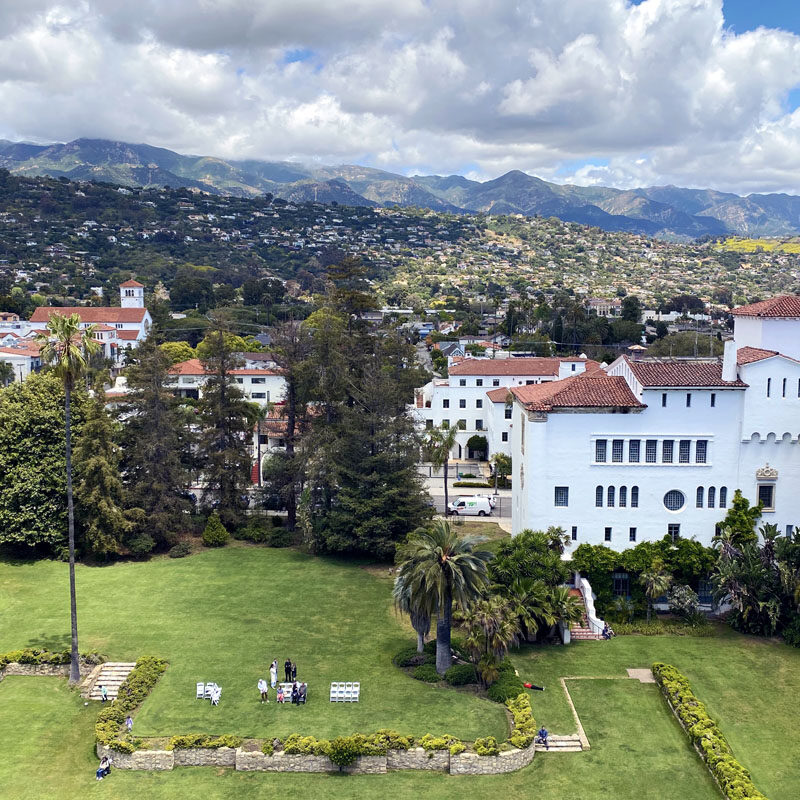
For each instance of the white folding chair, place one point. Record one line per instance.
(334, 688)
(341, 692)
(356, 691)
(209, 693)
(216, 696)
(201, 691)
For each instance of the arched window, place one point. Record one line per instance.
(610, 497)
(623, 496)
(634, 497)
(712, 496)
(598, 496)
(700, 496)
(723, 496)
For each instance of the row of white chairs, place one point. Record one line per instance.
(345, 692)
(209, 691)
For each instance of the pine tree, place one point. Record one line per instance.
(99, 491)
(156, 450)
(226, 420)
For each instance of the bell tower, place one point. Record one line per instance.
(131, 294)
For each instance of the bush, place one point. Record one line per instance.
(192, 740)
(141, 545)
(461, 674)
(256, 530)
(487, 746)
(306, 745)
(34, 655)
(666, 627)
(524, 731)
(344, 750)
(506, 687)
(391, 740)
(215, 534)
(733, 778)
(443, 742)
(268, 748)
(280, 537)
(409, 657)
(456, 748)
(180, 550)
(791, 633)
(427, 673)
(473, 484)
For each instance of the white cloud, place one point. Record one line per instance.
(661, 92)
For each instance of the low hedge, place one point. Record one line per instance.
(343, 747)
(487, 746)
(508, 684)
(131, 694)
(409, 657)
(427, 673)
(733, 778)
(193, 740)
(443, 742)
(663, 627)
(473, 485)
(461, 675)
(36, 656)
(524, 731)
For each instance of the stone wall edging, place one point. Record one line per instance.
(42, 670)
(255, 761)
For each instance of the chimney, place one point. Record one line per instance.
(729, 361)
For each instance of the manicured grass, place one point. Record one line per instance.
(45, 737)
(749, 685)
(222, 616)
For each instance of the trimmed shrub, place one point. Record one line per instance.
(306, 745)
(461, 675)
(280, 536)
(181, 550)
(192, 740)
(456, 748)
(427, 673)
(733, 778)
(344, 750)
(443, 742)
(215, 534)
(508, 684)
(487, 746)
(387, 739)
(409, 657)
(665, 627)
(473, 485)
(256, 530)
(524, 731)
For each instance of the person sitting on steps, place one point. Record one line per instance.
(541, 737)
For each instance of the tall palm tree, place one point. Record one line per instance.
(418, 612)
(655, 583)
(65, 347)
(438, 444)
(492, 627)
(440, 568)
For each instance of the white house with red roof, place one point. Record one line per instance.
(473, 397)
(653, 447)
(260, 384)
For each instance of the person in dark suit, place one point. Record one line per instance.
(295, 694)
(287, 670)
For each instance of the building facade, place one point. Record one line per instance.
(655, 447)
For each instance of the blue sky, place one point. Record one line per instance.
(746, 15)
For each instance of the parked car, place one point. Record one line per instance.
(474, 506)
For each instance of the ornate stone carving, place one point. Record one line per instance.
(766, 473)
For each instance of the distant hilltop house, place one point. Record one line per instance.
(650, 447)
(604, 308)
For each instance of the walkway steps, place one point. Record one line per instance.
(112, 674)
(561, 744)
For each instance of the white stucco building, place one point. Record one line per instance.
(475, 396)
(658, 446)
(259, 385)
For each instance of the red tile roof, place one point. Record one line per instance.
(588, 390)
(90, 313)
(498, 395)
(747, 355)
(128, 336)
(195, 367)
(680, 373)
(511, 366)
(131, 285)
(785, 305)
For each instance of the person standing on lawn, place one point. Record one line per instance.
(287, 670)
(273, 673)
(263, 688)
(294, 671)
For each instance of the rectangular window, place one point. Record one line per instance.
(607, 536)
(462, 382)
(712, 496)
(445, 423)
(462, 424)
(259, 395)
(504, 436)
(616, 450)
(598, 496)
(674, 532)
(789, 531)
(713, 399)
(610, 496)
(633, 451)
(508, 412)
(528, 383)
(783, 390)
(621, 584)
(684, 451)
(562, 495)
(575, 533)
(600, 451)
(766, 496)
(258, 380)
(240, 380)
(623, 496)
(663, 400)
(495, 381)
(667, 448)
(650, 451)
(479, 381)
(631, 534)
(723, 496)
(769, 386)
(428, 424)
(479, 404)
(462, 403)
(700, 497)
(445, 404)
(701, 451)
(634, 497)
(478, 424)
(688, 400)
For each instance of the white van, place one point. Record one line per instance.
(474, 506)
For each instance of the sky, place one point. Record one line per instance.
(609, 92)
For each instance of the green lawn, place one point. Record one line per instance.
(223, 615)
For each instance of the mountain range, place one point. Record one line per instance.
(664, 211)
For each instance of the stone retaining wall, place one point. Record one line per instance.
(256, 761)
(46, 670)
(418, 758)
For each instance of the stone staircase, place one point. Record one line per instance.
(561, 744)
(580, 631)
(111, 675)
